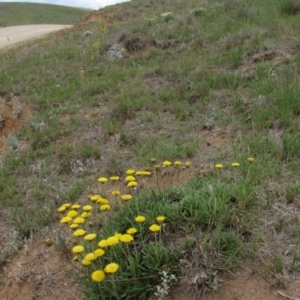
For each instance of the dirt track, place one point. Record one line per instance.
(15, 34)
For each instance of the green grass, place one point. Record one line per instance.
(215, 83)
(12, 14)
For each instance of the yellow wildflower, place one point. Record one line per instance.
(129, 178)
(62, 209)
(131, 230)
(102, 200)
(115, 192)
(98, 276)
(130, 172)
(114, 178)
(102, 180)
(132, 184)
(167, 163)
(79, 232)
(111, 241)
(160, 219)
(118, 235)
(187, 164)
(87, 208)
(85, 214)
(79, 220)
(177, 163)
(126, 238)
(90, 237)
(140, 219)
(103, 244)
(99, 252)
(72, 214)
(105, 207)
(111, 268)
(251, 159)
(126, 197)
(77, 249)
(86, 262)
(154, 228)
(218, 166)
(74, 226)
(65, 220)
(143, 173)
(75, 206)
(235, 164)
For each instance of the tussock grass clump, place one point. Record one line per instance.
(289, 7)
(127, 232)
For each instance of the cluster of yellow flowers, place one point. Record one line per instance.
(235, 164)
(92, 246)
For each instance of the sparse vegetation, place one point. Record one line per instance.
(213, 83)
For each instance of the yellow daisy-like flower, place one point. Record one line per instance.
(65, 220)
(79, 232)
(177, 163)
(154, 228)
(131, 230)
(160, 219)
(75, 206)
(105, 207)
(86, 262)
(111, 268)
(153, 160)
(98, 276)
(102, 180)
(87, 208)
(187, 164)
(102, 200)
(115, 192)
(103, 244)
(167, 163)
(130, 178)
(251, 159)
(62, 209)
(132, 184)
(143, 173)
(114, 178)
(126, 238)
(72, 214)
(74, 226)
(235, 164)
(90, 256)
(94, 198)
(90, 237)
(130, 172)
(140, 219)
(77, 249)
(99, 252)
(126, 197)
(118, 235)
(218, 166)
(85, 214)
(79, 220)
(111, 241)
(157, 167)
(67, 205)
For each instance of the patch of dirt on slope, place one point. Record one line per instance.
(13, 116)
(244, 284)
(38, 272)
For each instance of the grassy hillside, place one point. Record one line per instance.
(214, 84)
(34, 13)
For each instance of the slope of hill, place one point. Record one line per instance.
(201, 97)
(12, 14)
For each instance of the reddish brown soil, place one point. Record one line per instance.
(14, 114)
